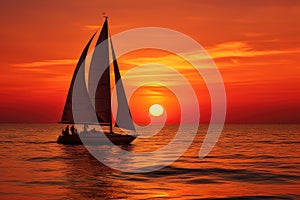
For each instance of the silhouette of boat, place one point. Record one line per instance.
(79, 100)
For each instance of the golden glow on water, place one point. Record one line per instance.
(163, 194)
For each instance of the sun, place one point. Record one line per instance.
(156, 110)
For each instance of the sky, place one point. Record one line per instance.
(255, 45)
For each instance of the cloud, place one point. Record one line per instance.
(168, 60)
(234, 50)
(91, 27)
(243, 49)
(46, 63)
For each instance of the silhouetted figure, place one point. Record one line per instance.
(66, 131)
(85, 127)
(93, 130)
(73, 130)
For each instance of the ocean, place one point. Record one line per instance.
(248, 162)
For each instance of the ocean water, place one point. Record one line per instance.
(248, 162)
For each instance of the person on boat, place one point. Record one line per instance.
(73, 130)
(93, 130)
(66, 131)
(85, 127)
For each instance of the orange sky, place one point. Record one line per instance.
(255, 44)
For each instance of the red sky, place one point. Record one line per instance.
(255, 44)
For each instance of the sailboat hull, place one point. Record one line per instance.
(94, 139)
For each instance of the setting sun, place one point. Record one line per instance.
(156, 110)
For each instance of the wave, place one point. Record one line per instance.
(239, 175)
(47, 159)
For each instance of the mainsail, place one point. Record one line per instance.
(100, 68)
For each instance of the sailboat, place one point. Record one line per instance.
(87, 109)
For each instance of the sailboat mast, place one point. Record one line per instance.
(110, 123)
